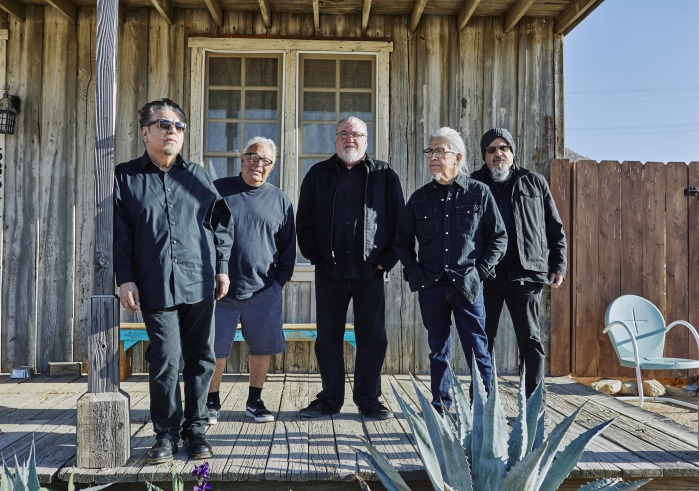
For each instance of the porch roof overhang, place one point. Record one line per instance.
(567, 13)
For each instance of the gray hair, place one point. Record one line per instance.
(350, 119)
(263, 142)
(456, 143)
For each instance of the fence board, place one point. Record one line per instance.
(693, 254)
(610, 252)
(632, 218)
(654, 233)
(589, 317)
(561, 306)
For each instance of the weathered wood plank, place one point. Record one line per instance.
(693, 259)
(654, 233)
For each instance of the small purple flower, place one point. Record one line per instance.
(202, 471)
(207, 486)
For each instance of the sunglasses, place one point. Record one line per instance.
(502, 148)
(166, 124)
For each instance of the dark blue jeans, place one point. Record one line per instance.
(332, 300)
(180, 331)
(523, 301)
(437, 304)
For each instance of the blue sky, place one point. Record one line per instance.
(632, 82)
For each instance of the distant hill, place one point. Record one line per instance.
(571, 155)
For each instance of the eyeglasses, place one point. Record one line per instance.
(437, 152)
(166, 124)
(502, 148)
(346, 134)
(253, 157)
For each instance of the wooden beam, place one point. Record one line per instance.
(316, 17)
(66, 7)
(518, 10)
(365, 16)
(416, 14)
(215, 10)
(574, 14)
(466, 13)
(14, 8)
(165, 9)
(266, 13)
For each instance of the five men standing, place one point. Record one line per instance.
(346, 222)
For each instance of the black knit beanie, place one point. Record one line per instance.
(491, 135)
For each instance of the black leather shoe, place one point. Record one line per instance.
(316, 409)
(196, 446)
(162, 451)
(377, 411)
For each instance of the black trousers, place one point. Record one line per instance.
(180, 331)
(332, 300)
(523, 301)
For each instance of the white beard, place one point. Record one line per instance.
(500, 175)
(349, 155)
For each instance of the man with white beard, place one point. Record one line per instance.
(460, 238)
(346, 223)
(536, 249)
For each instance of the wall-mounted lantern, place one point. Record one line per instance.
(9, 108)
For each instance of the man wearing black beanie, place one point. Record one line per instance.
(536, 249)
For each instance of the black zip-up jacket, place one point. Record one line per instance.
(461, 236)
(383, 203)
(541, 241)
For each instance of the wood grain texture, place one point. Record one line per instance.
(693, 259)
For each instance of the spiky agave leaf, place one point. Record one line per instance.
(386, 473)
(7, 482)
(555, 440)
(32, 483)
(479, 400)
(535, 409)
(566, 460)
(517, 443)
(152, 487)
(423, 440)
(614, 484)
(524, 474)
(362, 484)
(464, 415)
(452, 460)
(176, 479)
(492, 461)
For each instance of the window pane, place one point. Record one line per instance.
(260, 104)
(319, 138)
(224, 71)
(354, 104)
(261, 72)
(223, 167)
(370, 140)
(268, 130)
(222, 137)
(306, 164)
(319, 73)
(319, 106)
(224, 104)
(356, 74)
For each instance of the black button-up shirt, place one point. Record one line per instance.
(460, 235)
(170, 232)
(348, 242)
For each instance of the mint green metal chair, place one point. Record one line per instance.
(637, 330)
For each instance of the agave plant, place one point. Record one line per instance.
(473, 450)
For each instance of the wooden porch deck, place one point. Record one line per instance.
(301, 454)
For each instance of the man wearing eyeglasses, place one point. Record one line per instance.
(171, 251)
(346, 221)
(536, 250)
(262, 261)
(460, 238)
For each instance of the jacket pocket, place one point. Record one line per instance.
(426, 223)
(467, 217)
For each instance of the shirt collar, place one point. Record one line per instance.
(145, 160)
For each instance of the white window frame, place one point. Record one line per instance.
(291, 49)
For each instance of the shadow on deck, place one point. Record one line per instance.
(317, 454)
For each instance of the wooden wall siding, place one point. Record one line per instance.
(633, 232)
(471, 80)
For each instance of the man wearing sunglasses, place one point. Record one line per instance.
(460, 238)
(536, 249)
(262, 261)
(171, 251)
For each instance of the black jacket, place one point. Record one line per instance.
(463, 236)
(541, 241)
(383, 203)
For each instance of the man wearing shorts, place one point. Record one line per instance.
(262, 261)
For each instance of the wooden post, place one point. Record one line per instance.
(103, 425)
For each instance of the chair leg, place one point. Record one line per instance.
(639, 381)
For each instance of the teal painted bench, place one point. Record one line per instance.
(131, 333)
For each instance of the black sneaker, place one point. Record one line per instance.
(162, 451)
(257, 411)
(214, 410)
(196, 446)
(377, 411)
(316, 409)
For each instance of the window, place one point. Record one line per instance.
(292, 91)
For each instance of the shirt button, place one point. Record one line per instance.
(175, 259)
(447, 233)
(168, 189)
(446, 250)
(174, 242)
(172, 223)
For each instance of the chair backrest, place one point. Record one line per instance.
(645, 321)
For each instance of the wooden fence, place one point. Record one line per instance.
(631, 230)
